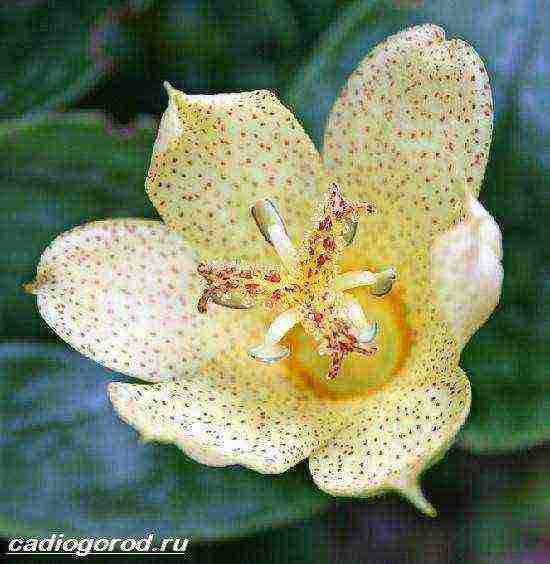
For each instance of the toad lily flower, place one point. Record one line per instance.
(382, 303)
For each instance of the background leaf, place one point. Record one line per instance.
(72, 465)
(500, 32)
(510, 517)
(53, 52)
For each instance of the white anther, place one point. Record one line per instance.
(354, 279)
(271, 349)
(380, 283)
(283, 245)
(369, 333)
(353, 312)
(272, 227)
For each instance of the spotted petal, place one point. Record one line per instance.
(412, 127)
(402, 430)
(233, 411)
(411, 131)
(215, 156)
(124, 292)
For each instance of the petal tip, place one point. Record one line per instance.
(119, 395)
(30, 288)
(412, 491)
(171, 91)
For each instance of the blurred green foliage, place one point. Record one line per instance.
(54, 52)
(69, 462)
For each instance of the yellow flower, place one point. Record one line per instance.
(411, 133)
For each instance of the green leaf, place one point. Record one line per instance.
(510, 512)
(511, 394)
(223, 46)
(58, 171)
(69, 464)
(53, 55)
(307, 542)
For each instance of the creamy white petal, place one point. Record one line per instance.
(412, 127)
(237, 410)
(402, 430)
(124, 291)
(217, 155)
(466, 271)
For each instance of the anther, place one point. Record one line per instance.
(266, 214)
(227, 286)
(384, 282)
(273, 228)
(352, 311)
(271, 349)
(379, 283)
(349, 235)
(368, 333)
(227, 300)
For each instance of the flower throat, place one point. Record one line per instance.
(307, 288)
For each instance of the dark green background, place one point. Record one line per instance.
(80, 96)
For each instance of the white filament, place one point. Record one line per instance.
(271, 349)
(283, 245)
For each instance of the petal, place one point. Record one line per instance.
(466, 272)
(124, 293)
(412, 127)
(402, 430)
(411, 132)
(237, 411)
(215, 156)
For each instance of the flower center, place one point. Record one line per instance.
(359, 375)
(307, 289)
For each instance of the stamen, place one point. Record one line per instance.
(230, 301)
(384, 282)
(369, 333)
(380, 283)
(266, 214)
(240, 286)
(353, 312)
(308, 285)
(271, 350)
(273, 228)
(349, 234)
(354, 279)
(283, 245)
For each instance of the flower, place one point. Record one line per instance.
(399, 292)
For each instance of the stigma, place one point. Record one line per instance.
(307, 287)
